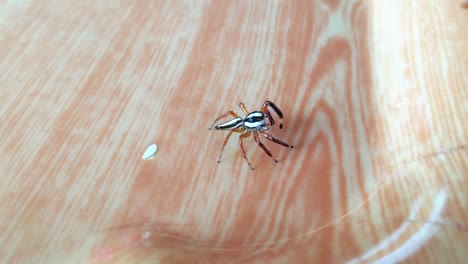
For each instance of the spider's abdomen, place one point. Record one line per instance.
(255, 120)
(231, 124)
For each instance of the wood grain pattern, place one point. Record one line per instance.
(375, 102)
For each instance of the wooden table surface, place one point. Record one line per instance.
(375, 101)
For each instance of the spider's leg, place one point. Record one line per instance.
(226, 141)
(244, 109)
(260, 144)
(270, 118)
(245, 135)
(275, 108)
(277, 141)
(222, 116)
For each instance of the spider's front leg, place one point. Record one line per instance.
(223, 116)
(275, 108)
(270, 118)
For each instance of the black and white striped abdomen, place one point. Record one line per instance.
(231, 124)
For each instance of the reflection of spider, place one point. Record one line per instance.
(255, 122)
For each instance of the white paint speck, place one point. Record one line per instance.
(145, 235)
(150, 152)
(146, 239)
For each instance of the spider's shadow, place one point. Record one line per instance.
(305, 124)
(293, 124)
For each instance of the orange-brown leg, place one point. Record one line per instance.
(277, 141)
(222, 116)
(245, 135)
(244, 109)
(226, 141)
(260, 144)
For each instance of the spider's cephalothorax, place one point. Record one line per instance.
(254, 123)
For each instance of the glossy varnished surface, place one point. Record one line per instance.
(375, 102)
